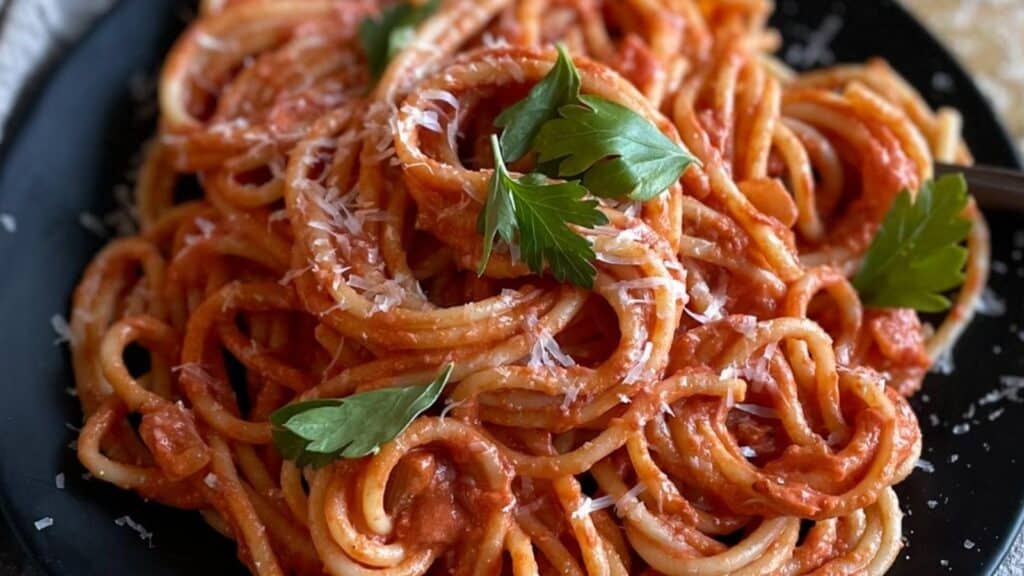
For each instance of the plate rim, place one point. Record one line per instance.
(972, 85)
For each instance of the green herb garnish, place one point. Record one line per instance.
(523, 120)
(616, 152)
(917, 254)
(540, 213)
(318, 432)
(597, 145)
(386, 34)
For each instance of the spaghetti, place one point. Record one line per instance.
(719, 403)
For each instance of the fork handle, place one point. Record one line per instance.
(993, 188)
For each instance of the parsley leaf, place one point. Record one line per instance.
(540, 212)
(917, 253)
(498, 216)
(318, 432)
(523, 120)
(384, 36)
(617, 152)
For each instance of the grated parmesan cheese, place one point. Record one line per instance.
(139, 529)
(442, 96)
(492, 41)
(815, 51)
(970, 412)
(384, 296)
(623, 289)
(925, 466)
(942, 82)
(589, 506)
(58, 480)
(43, 523)
(449, 406)
(757, 371)
(608, 257)
(205, 226)
(124, 219)
(716, 307)
(990, 304)
(344, 211)
(93, 224)
(629, 496)
(637, 370)
(546, 353)
(1011, 389)
(293, 275)
(62, 329)
(757, 410)
(428, 119)
(8, 223)
(632, 209)
(744, 324)
(213, 43)
(944, 363)
(572, 391)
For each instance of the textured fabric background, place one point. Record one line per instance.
(33, 30)
(987, 35)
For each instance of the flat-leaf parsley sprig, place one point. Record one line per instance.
(317, 432)
(917, 253)
(523, 120)
(617, 152)
(386, 34)
(597, 146)
(537, 214)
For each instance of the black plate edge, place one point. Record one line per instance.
(1004, 134)
(23, 109)
(989, 110)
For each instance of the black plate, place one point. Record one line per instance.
(74, 138)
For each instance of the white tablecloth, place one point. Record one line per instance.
(33, 30)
